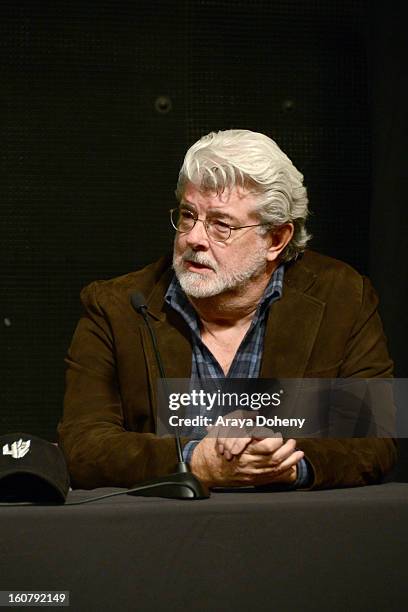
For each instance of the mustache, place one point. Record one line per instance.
(200, 258)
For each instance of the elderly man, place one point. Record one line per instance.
(243, 298)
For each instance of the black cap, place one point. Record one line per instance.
(32, 470)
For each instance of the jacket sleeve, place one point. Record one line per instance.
(99, 450)
(351, 462)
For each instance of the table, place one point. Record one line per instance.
(301, 550)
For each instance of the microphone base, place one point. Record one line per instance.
(178, 485)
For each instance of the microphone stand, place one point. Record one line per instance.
(181, 484)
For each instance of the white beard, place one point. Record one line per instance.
(204, 286)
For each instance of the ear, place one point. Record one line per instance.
(279, 239)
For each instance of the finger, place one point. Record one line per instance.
(228, 435)
(278, 468)
(221, 448)
(278, 456)
(237, 446)
(222, 442)
(233, 446)
(292, 460)
(284, 451)
(260, 465)
(266, 446)
(214, 433)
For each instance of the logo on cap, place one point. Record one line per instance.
(17, 449)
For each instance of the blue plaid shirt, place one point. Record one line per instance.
(247, 360)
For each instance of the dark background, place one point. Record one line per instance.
(100, 100)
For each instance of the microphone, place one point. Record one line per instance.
(182, 484)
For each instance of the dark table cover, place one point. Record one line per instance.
(342, 549)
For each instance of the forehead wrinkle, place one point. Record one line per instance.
(216, 204)
(213, 211)
(222, 213)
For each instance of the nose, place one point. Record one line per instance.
(197, 237)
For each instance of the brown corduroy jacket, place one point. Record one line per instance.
(325, 325)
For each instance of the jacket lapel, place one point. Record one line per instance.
(172, 333)
(292, 327)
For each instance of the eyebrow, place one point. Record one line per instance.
(213, 212)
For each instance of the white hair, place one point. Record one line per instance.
(250, 160)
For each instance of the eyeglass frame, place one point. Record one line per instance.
(206, 223)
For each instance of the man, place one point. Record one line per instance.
(242, 299)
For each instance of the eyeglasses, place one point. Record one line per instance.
(183, 221)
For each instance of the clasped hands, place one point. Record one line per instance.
(229, 456)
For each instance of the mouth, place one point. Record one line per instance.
(194, 266)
